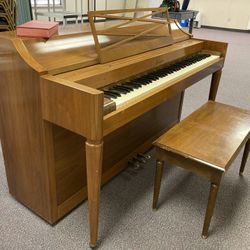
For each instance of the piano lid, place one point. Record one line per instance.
(134, 35)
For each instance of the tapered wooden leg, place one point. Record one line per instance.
(214, 85)
(157, 184)
(210, 208)
(244, 158)
(94, 172)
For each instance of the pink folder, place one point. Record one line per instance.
(43, 29)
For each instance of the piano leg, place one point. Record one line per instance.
(94, 151)
(214, 85)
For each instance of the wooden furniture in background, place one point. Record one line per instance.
(58, 145)
(180, 16)
(7, 15)
(205, 143)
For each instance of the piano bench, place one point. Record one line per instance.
(205, 143)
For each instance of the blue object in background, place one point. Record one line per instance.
(184, 23)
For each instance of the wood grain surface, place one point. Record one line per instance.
(213, 134)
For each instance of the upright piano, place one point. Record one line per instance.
(76, 108)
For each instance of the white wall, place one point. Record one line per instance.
(100, 4)
(223, 13)
(234, 14)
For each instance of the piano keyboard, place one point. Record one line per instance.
(123, 93)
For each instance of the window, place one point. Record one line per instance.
(45, 2)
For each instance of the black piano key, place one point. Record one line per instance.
(109, 95)
(134, 83)
(165, 74)
(143, 81)
(113, 92)
(189, 63)
(164, 70)
(176, 67)
(121, 91)
(138, 85)
(159, 71)
(170, 70)
(146, 78)
(153, 77)
(183, 65)
(159, 74)
(154, 73)
(128, 86)
(150, 77)
(122, 88)
(131, 85)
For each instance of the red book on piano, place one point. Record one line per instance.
(43, 29)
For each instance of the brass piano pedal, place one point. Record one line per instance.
(134, 164)
(145, 156)
(140, 159)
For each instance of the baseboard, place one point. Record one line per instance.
(226, 29)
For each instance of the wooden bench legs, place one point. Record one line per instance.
(214, 188)
(215, 184)
(244, 158)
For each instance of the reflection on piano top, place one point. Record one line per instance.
(74, 44)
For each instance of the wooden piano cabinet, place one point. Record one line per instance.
(45, 163)
(56, 141)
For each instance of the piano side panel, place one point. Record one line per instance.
(215, 46)
(70, 161)
(22, 133)
(72, 106)
(119, 146)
